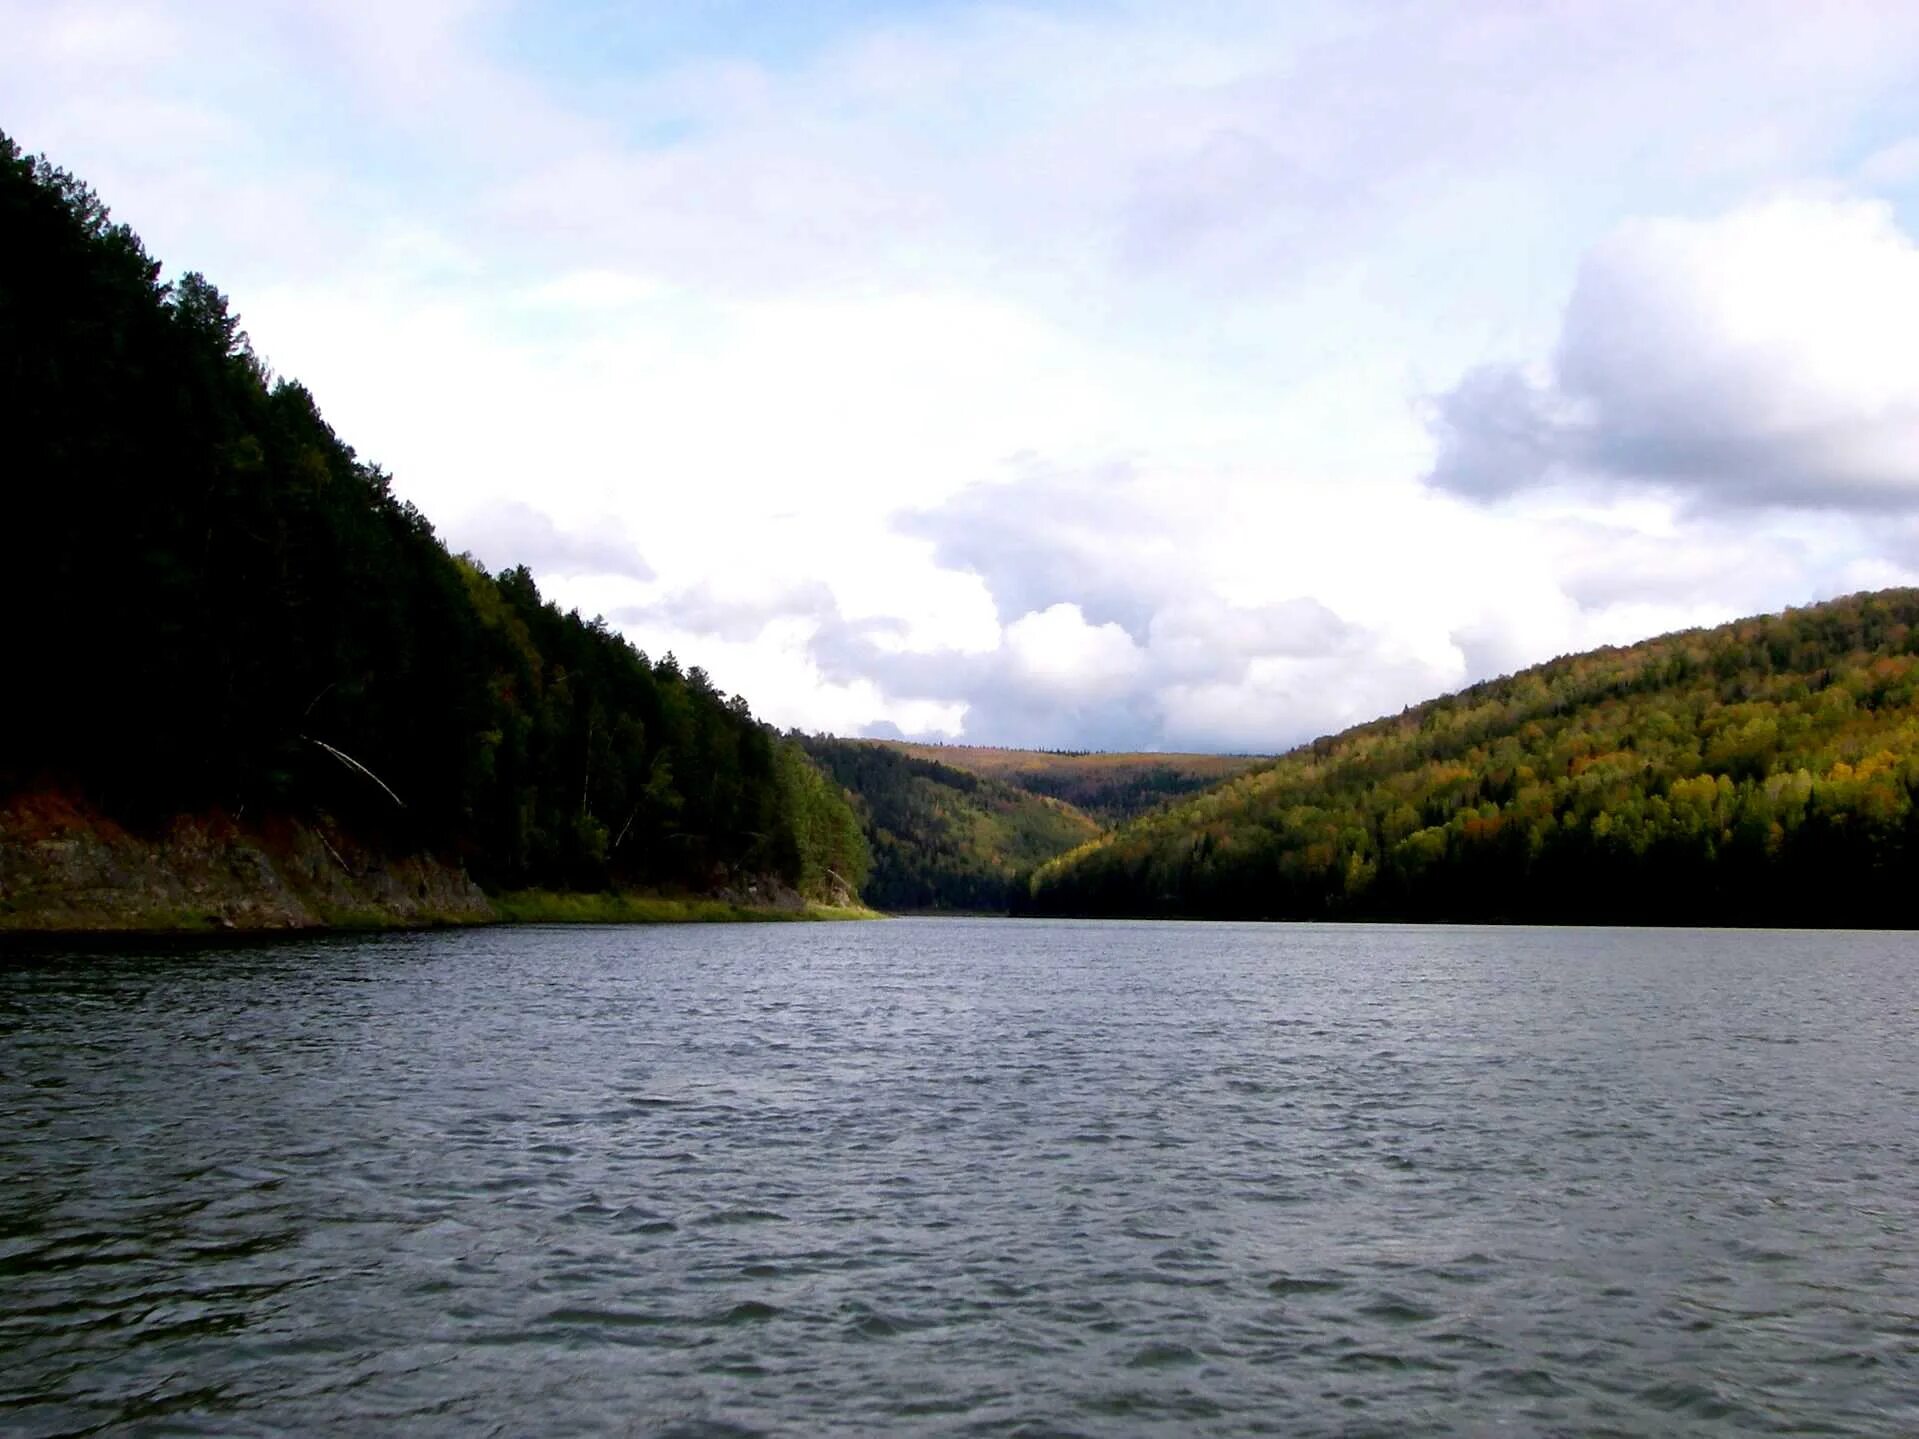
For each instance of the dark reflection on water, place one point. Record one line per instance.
(965, 1178)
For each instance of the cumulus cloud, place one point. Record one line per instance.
(507, 534)
(1126, 624)
(1768, 357)
(730, 614)
(1200, 637)
(1042, 536)
(1055, 650)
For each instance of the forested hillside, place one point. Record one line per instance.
(1111, 788)
(942, 838)
(215, 605)
(1761, 772)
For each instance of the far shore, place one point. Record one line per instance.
(539, 906)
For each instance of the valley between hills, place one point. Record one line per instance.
(270, 696)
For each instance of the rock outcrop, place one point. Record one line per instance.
(65, 867)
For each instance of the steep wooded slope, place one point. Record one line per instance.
(943, 838)
(216, 608)
(1112, 788)
(1761, 772)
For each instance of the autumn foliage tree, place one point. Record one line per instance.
(1761, 772)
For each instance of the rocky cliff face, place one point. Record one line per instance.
(64, 867)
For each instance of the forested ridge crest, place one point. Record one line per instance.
(218, 605)
(1759, 772)
(942, 837)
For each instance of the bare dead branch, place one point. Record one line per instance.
(351, 763)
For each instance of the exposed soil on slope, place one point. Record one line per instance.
(66, 867)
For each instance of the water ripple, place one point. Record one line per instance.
(964, 1178)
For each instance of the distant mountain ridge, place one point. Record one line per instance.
(1762, 772)
(942, 837)
(1110, 787)
(960, 827)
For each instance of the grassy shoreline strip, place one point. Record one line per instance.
(536, 906)
(520, 907)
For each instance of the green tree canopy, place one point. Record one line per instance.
(217, 605)
(1761, 772)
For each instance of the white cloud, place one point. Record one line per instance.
(508, 534)
(1891, 166)
(1057, 651)
(594, 291)
(1768, 357)
(118, 36)
(1053, 376)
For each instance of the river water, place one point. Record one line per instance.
(965, 1177)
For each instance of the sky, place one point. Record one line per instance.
(1081, 375)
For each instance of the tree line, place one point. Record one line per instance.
(1761, 772)
(1108, 787)
(215, 603)
(943, 838)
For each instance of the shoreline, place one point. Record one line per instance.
(510, 911)
(68, 871)
(574, 907)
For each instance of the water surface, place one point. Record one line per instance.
(965, 1177)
